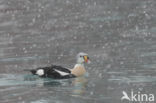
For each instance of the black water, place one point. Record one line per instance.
(118, 35)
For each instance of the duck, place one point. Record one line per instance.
(59, 72)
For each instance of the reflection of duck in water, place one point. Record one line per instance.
(79, 86)
(58, 72)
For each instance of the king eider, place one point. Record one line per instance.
(59, 72)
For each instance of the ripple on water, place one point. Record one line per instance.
(148, 54)
(14, 80)
(133, 79)
(40, 101)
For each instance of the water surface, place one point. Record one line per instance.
(118, 35)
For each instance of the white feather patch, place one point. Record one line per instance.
(62, 73)
(40, 72)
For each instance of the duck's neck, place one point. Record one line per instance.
(79, 64)
(78, 70)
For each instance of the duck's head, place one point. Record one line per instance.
(82, 58)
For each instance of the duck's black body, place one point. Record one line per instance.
(55, 72)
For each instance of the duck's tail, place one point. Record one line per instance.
(33, 71)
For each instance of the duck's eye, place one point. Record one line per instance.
(80, 56)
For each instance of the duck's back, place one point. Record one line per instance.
(56, 72)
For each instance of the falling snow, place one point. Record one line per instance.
(118, 35)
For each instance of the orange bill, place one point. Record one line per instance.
(86, 58)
